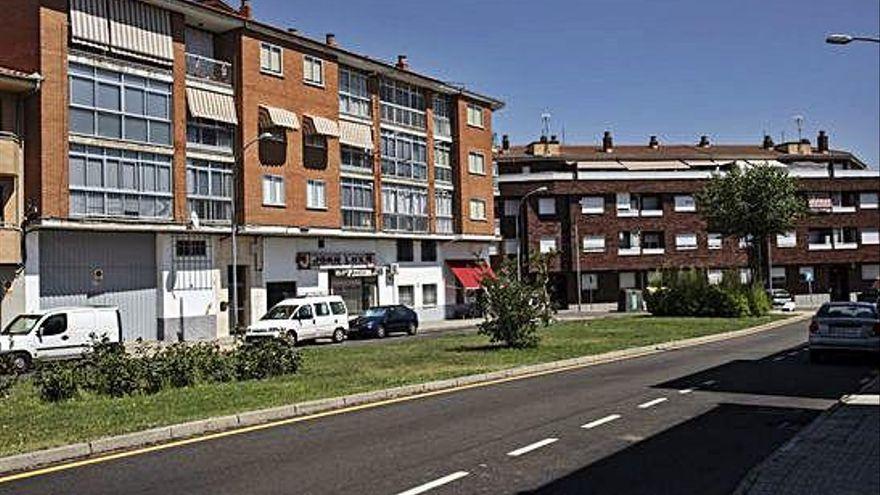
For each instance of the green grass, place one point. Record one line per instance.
(29, 424)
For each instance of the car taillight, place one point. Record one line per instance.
(814, 326)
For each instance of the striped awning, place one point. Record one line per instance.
(322, 126)
(278, 117)
(140, 29)
(600, 165)
(210, 105)
(356, 135)
(654, 165)
(89, 24)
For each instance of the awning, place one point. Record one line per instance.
(322, 126)
(140, 29)
(89, 24)
(278, 117)
(210, 105)
(356, 135)
(654, 165)
(470, 273)
(600, 165)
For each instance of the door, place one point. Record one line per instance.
(237, 309)
(53, 339)
(324, 320)
(279, 291)
(305, 322)
(80, 327)
(840, 283)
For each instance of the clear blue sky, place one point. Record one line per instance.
(674, 68)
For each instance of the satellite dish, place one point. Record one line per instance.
(194, 219)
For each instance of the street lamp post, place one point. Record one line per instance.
(845, 39)
(239, 160)
(518, 220)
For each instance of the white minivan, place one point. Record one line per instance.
(58, 333)
(303, 318)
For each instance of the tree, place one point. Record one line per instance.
(515, 308)
(757, 202)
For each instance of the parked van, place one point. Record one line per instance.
(303, 318)
(59, 333)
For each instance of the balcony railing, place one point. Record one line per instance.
(209, 69)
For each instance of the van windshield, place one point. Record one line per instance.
(21, 325)
(280, 313)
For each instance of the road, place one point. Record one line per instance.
(688, 421)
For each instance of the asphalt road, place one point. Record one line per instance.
(692, 421)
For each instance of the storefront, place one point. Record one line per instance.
(358, 287)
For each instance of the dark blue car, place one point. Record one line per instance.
(379, 321)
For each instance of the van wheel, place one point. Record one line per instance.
(20, 362)
(411, 329)
(381, 332)
(292, 339)
(338, 336)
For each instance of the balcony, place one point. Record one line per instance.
(10, 246)
(208, 69)
(10, 155)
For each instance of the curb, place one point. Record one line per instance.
(191, 429)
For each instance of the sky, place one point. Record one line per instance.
(730, 69)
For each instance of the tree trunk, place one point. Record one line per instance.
(758, 256)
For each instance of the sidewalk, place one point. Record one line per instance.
(599, 311)
(838, 453)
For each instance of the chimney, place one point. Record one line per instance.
(545, 147)
(768, 142)
(245, 10)
(292, 30)
(822, 142)
(653, 142)
(505, 142)
(704, 142)
(331, 39)
(402, 62)
(607, 142)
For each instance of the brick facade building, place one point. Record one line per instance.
(152, 119)
(627, 211)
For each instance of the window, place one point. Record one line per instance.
(316, 197)
(786, 240)
(685, 203)
(714, 276)
(337, 307)
(845, 238)
(314, 150)
(510, 246)
(354, 93)
(442, 116)
(209, 134)
(442, 161)
(429, 250)
(402, 104)
(625, 205)
(305, 312)
(321, 309)
(356, 159)
(589, 281)
(715, 241)
(627, 280)
(547, 245)
(106, 182)
(404, 155)
(54, 325)
(313, 70)
(429, 295)
(819, 239)
(357, 203)
(478, 209)
(651, 205)
(870, 237)
(474, 115)
(870, 272)
(511, 208)
(807, 274)
(777, 275)
(406, 295)
(686, 242)
(476, 163)
(594, 244)
(592, 205)
(404, 208)
(546, 206)
(209, 189)
(116, 105)
(653, 241)
(868, 200)
(628, 242)
(443, 206)
(405, 250)
(271, 59)
(273, 190)
(843, 202)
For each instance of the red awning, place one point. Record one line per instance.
(470, 273)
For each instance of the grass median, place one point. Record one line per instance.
(29, 424)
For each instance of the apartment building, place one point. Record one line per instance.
(616, 214)
(158, 124)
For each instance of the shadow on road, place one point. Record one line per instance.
(706, 455)
(788, 373)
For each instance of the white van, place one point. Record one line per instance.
(303, 318)
(59, 333)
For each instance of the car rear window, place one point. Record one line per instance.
(849, 311)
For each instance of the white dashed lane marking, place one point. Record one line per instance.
(601, 421)
(436, 483)
(652, 403)
(685, 391)
(535, 446)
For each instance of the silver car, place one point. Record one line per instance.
(844, 326)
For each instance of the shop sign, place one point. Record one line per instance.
(356, 272)
(309, 260)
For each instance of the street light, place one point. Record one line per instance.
(518, 220)
(845, 39)
(266, 136)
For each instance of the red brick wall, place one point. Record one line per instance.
(179, 117)
(470, 186)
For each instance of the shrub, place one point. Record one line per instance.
(688, 293)
(759, 301)
(6, 384)
(264, 359)
(58, 381)
(111, 371)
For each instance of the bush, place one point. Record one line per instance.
(58, 381)
(110, 370)
(264, 359)
(688, 293)
(6, 384)
(759, 301)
